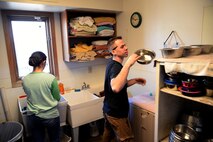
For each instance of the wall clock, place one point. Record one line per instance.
(136, 19)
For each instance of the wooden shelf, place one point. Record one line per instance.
(202, 99)
(165, 140)
(69, 40)
(89, 36)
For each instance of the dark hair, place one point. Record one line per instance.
(111, 42)
(37, 58)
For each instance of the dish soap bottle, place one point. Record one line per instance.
(61, 87)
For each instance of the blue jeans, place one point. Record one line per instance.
(38, 126)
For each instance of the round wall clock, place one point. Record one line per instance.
(136, 19)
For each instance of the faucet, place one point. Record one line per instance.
(85, 86)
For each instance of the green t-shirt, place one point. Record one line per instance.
(42, 94)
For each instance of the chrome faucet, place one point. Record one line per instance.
(85, 86)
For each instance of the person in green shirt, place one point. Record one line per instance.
(42, 99)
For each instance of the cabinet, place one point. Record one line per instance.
(142, 122)
(70, 40)
(170, 104)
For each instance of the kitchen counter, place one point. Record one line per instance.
(142, 116)
(144, 101)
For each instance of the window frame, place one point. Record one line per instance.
(52, 51)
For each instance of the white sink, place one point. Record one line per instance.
(83, 107)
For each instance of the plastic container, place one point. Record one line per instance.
(61, 87)
(22, 103)
(62, 108)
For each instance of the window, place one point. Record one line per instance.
(25, 33)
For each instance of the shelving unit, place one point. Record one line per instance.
(203, 99)
(171, 104)
(69, 41)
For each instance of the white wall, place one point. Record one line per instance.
(72, 75)
(160, 17)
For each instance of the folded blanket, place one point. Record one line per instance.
(104, 19)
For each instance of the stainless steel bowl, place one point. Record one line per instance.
(172, 52)
(146, 56)
(206, 49)
(194, 121)
(182, 133)
(192, 50)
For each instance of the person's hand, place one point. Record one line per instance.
(132, 59)
(140, 81)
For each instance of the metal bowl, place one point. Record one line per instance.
(172, 52)
(146, 56)
(193, 120)
(192, 50)
(206, 49)
(183, 133)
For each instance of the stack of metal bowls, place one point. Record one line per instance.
(172, 52)
(182, 133)
(192, 50)
(185, 51)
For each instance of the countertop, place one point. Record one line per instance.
(144, 101)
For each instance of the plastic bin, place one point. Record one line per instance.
(62, 108)
(22, 103)
(11, 132)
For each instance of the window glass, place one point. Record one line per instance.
(25, 33)
(29, 36)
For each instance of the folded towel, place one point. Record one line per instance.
(199, 68)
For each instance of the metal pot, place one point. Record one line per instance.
(194, 121)
(146, 56)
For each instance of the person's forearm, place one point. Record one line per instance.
(120, 80)
(131, 82)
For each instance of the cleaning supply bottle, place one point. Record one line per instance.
(61, 87)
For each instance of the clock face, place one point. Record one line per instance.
(136, 19)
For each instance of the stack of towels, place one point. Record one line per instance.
(83, 26)
(105, 26)
(100, 47)
(86, 25)
(82, 53)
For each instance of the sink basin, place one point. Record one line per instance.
(83, 107)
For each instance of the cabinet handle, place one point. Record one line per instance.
(142, 127)
(144, 115)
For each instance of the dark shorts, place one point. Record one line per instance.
(119, 127)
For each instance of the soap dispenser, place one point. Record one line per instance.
(61, 87)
